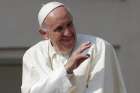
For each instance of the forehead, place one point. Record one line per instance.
(58, 15)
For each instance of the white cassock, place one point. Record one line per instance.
(44, 72)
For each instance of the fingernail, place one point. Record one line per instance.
(87, 55)
(88, 42)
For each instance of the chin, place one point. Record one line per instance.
(66, 51)
(69, 44)
(66, 47)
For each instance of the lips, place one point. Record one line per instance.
(67, 39)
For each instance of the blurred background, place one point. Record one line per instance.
(117, 21)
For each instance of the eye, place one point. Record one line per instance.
(70, 24)
(59, 29)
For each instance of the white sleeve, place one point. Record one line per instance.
(35, 80)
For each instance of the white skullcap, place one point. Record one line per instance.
(46, 9)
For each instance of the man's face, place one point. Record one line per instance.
(61, 30)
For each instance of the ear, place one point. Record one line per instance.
(44, 34)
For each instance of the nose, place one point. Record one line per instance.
(68, 32)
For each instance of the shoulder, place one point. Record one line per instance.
(39, 47)
(91, 38)
(104, 47)
(100, 43)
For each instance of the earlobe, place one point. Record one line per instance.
(44, 34)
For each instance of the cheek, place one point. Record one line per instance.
(55, 37)
(73, 31)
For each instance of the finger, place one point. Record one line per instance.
(85, 43)
(83, 48)
(82, 58)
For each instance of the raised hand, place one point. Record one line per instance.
(77, 57)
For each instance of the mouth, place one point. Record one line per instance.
(68, 40)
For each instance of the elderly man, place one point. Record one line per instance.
(68, 63)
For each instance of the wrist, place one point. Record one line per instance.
(69, 71)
